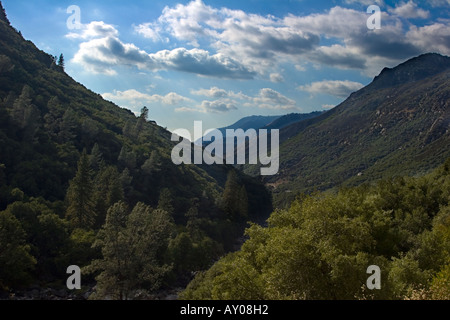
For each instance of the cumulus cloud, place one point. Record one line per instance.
(201, 62)
(337, 88)
(234, 44)
(213, 92)
(276, 77)
(95, 29)
(256, 40)
(217, 106)
(439, 3)
(271, 99)
(365, 2)
(266, 99)
(410, 10)
(102, 55)
(434, 37)
(188, 109)
(133, 97)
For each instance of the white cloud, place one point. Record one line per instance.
(213, 92)
(276, 77)
(439, 3)
(234, 44)
(102, 55)
(265, 99)
(271, 99)
(337, 88)
(133, 97)
(410, 10)
(434, 37)
(365, 2)
(217, 106)
(95, 29)
(187, 109)
(252, 39)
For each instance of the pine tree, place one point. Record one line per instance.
(165, 201)
(81, 209)
(96, 158)
(61, 62)
(243, 202)
(68, 127)
(152, 164)
(108, 191)
(141, 121)
(230, 198)
(127, 158)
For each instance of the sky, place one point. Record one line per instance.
(219, 61)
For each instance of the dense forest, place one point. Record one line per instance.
(321, 247)
(85, 182)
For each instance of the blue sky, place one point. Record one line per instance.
(218, 61)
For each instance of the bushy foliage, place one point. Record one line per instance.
(321, 246)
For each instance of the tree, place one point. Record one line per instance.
(15, 259)
(96, 158)
(132, 245)
(127, 158)
(141, 121)
(81, 209)
(234, 198)
(61, 62)
(165, 201)
(152, 164)
(243, 202)
(3, 14)
(68, 126)
(108, 191)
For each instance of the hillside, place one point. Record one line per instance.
(69, 160)
(320, 248)
(291, 118)
(397, 125)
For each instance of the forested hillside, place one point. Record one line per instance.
(85, 182)
(321, 247)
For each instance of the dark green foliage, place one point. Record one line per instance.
(15, 259)
(80, 196)
(131, 245)
(321, 246)
(235, 199)
(61, 62)
(3, 16)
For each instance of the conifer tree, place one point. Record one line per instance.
(61, 62)
(165, 201)
(243, 202)
(230, 198)
(80, 194)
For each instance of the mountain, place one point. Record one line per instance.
(289, 119)
(67, 157)
(251, 122)
(397, 125)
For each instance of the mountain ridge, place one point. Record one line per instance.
(392, 126)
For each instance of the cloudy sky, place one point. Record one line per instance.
(219, 61)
